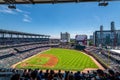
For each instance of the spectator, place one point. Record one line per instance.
(60, 75)
(15, 77)
(77, 75)
(71, 76)
(40, 75)
(51, 75)
(33, 75)
(46, 74)
(112, 74)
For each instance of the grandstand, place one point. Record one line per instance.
(109, 59)
(16, 46)
(20, 48)
(14, 49)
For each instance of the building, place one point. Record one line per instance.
(65, 37)
(81, 39)
(91, 37)
(106, 38)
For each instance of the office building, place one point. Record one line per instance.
(65, 37)
(104, 38)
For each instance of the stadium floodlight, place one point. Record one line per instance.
(12, 6)
(103, 3)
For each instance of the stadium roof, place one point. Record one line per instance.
(21, 33)
(46, 1)
(117, 51)
(12, 3)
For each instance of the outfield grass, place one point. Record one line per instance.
(67, 60)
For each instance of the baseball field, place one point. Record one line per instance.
(56, 58)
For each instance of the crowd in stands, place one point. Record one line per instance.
(108, 57)
(10, 56)
(6, 53)
(13, 55)
(29, 74)
(66, 46)
(29, 47)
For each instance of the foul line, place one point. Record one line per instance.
(14, 65)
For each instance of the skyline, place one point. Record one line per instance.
(51, 19)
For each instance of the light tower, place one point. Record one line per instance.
(101, 35)
(114, 33)
(112, 26)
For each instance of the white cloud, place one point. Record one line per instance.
(7, 11)
(19, 10)
(25, 15)
(27, 18)
(4, 9)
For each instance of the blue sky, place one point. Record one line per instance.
(51, 19)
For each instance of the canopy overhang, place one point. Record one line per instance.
(46, 1)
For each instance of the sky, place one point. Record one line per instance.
(51, 19)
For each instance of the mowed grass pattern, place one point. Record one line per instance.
(67, 60)
(71, 59)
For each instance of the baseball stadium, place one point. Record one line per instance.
(27, 55)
